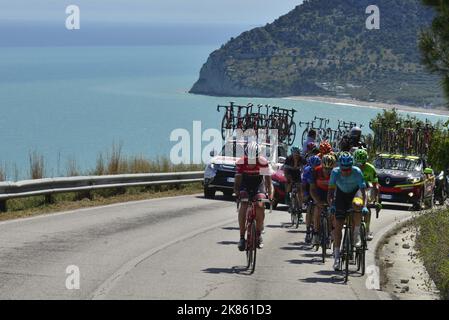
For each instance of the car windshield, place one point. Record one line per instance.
(398, 164)
(233, 149)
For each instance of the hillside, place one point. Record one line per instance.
(322, 47)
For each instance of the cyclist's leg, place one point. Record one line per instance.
(242, 212)
(341, 205)
(357, 205)
(260, 193)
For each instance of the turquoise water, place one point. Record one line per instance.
(74, 102)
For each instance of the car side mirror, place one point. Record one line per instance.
(282, 160)
(428, 171)
(212, 153)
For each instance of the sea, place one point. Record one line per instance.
(71, 103)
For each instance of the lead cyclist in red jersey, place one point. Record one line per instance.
(253, 179)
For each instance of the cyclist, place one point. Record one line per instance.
(319, 187)
(347, 187)
(325, 148)
(312, 150)
(307, 178)
(253, 179)
(352, 140)
(292, 170)
(311, 137)
(371, 181)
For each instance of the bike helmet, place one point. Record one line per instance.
(252, 150)
(295, 149)
(346, 160)
(355, 132)
(360, 156)
(314, 161)
(325, 148)
(329, 161)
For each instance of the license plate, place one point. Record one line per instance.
(386, 196)
(231, 180)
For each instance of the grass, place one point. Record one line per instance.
(113, 162)
(432, 243)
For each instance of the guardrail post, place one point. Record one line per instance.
(49, 199)
(84, 195)
(3, 207)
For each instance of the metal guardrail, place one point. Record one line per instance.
(48, 186)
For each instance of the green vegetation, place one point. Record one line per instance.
(322, 47)
(434, 43)
(439, 146)
(432, 242)
(114, 162)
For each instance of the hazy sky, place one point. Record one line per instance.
(253, 12)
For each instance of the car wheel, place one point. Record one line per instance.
(209, 193)
(228, 194)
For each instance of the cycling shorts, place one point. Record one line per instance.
(343, 203)
(322, 195)
(293, 175)
(250, 192)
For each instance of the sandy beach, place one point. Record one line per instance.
(377, 105)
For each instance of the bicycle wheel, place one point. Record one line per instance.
(249, 250)
(304, 136)
(363, 248)
(254, 246)
(324, 233)
(224, 126)
(347, 246)
(291, 133)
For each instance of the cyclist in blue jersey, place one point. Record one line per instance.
(347, 187)
(307, 179)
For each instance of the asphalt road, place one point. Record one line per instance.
(172, 248)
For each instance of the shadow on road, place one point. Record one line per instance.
(296, 231)
(235, 269)
(305, 261)
(283, 225)
(231, 228)
(228, 242)
(300, 247)
(333, 279)
(329, 276)
(395, 207)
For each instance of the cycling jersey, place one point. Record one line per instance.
(307, 176)
(369, 173)
(348, 184)
(293, 172)
(319, 179)
(252, 174)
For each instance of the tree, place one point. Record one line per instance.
(434, 42)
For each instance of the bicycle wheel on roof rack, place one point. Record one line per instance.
(304, 136)
(291, 133)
